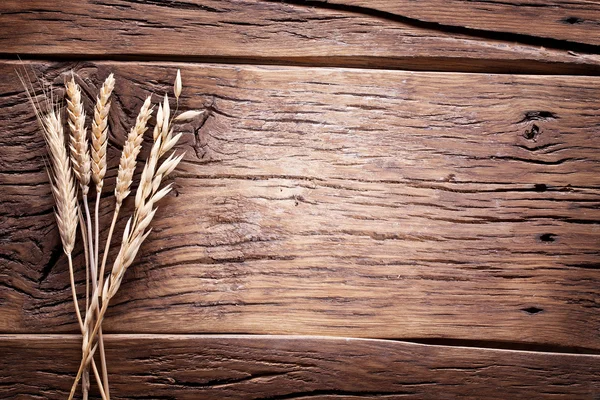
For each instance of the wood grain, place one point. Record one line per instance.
(363, 203)
(317, 33)
(225, 367)
(572, 21)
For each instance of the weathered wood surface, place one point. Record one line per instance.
(388, 34)
(575, 21)
(221, 367)
(340, 202)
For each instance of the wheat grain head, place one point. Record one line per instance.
(100, 133)
(80, 156)
(61, 179)
(131, 149)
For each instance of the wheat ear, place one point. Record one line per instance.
(80, 159)
(127, 163)
(63, 190)
(137, 229)
(98, 156)
(100, 132)
(80, 156)
(99, 142)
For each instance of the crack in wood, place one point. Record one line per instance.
(448, 28)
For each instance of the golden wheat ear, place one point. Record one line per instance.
(80, 156)
(59, 167)
(131, 149)
(100, 132)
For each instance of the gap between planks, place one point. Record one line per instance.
(295, 31)
(416, 64)
(439, 343)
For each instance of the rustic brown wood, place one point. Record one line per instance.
(310, 33)
(222, 367)
(341, 202)
(575, 21)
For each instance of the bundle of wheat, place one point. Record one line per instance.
(75, 161)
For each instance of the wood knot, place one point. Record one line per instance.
(530, 116)
(532, 134)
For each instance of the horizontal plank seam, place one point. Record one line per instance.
(468, 65)
(186, 336)
(512, 66)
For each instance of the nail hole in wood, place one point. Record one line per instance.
(572, 20)
(540, 187)
(547, 237)
(532, 310)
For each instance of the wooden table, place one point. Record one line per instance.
(384, 199)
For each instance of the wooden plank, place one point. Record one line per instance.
(340, 202)
(274, 32)
(575, 21)
(222, 367)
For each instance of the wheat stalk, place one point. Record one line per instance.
(147, 195)
(64, 190)
(98, 156)
(80, 159)
(84, 164)
(135, 233)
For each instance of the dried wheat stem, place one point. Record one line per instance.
(87, 257)
(87, 358)
(88, 220)
(135, 233)
(100, 336)
(94, 310)
(98, 156)
(147, 195)
(108, 240)
(97, 227)
(63, 188)
(98, 379)
(124, 178)
(85, 382)
(92, 265)
(82, 166)
(74, 292)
